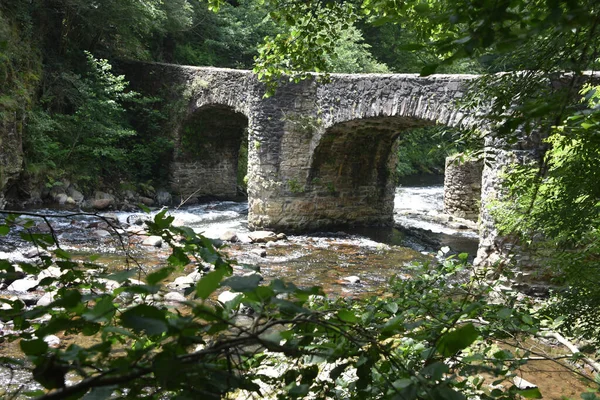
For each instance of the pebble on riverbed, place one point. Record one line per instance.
(174, 297)
(53, 341)
(353, 280)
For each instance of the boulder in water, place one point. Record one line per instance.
(52, 340)
(281, 236)
(174, 297)
(102, 204)
(23, 285)
(75, 194)
(259, 252)
(147, 201)
(163, 198)
(155, 241)
(229, 236)
(101, 233)
(262, 236)
(227, 296)
(181, 283)
(46, 299)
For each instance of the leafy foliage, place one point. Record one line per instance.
(93, 140)
(424, 150)
(430, 337)
(557, 212)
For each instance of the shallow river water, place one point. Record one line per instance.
(355, 262)
(322, 258)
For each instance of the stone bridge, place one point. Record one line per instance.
(319, 154)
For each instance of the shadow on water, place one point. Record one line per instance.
(418, 239)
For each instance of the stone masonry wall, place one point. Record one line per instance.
(319, 153)
(335, 166)
(462, 187)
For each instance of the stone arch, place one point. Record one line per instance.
(350, 179)
(207, 150)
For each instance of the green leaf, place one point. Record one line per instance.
(145, 318)
(33, 347)
(394, 324)
(392, 307)
(4, 230)
(587, 125)
(178, 258)
(337, 371)
(103, 310)
(410, 47)
(402, 383)
(68, 298)
(429, 69)
(209, 283)
(347, 316)
(454, 341)
(243, 283)
(530, 393)
(435, 371)
(447, 393)
(122, 276)
(157, 276)
(100, 393)
(504, 313)
(527, 319)
(60, 253)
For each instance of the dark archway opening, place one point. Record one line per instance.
(356, 169)
(353, 168)
(212, 154)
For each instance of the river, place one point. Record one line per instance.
(349, 263)
(326, 259)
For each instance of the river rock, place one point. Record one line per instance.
(262, 236)
(57, 189)
(147, 201)
(99, 195)
(110, 285)
(101, 233)
(259, 252)
(135, 219)
(129, 195)
(102, 204)
(75, 194)
(61, 198)
(52, 340)
(35, 252)
(227, 296)
(353, 280)
(195, 276)
(50, 272)
(281, 236)
(181, 283)
(163, 198)
(23, 285)
(155, 241)
(46, 299)
(174, 297)
(229, 236)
